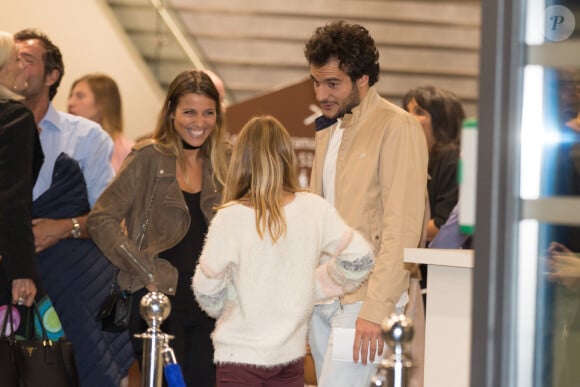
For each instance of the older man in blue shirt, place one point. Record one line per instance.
(76, 170)
(81, 139)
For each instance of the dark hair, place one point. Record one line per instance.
(446, 112)
(351, 44)
(52, 56)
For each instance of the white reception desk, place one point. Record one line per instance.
(448, 317)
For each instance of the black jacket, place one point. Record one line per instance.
(21, 157)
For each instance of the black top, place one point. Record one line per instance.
(185, 255)
(21, 157)
(442, 184)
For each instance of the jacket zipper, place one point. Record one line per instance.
(138, 264)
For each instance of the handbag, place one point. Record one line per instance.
(38, 362)
(115, 311)
(8, 352)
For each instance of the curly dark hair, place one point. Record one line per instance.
(52, 55)
(351, 44)
(446, 112)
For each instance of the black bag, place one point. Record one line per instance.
(32, 363)
(8, 352)
(116, 311)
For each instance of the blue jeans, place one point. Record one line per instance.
(329, 372)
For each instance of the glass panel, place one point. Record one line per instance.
(551, 102)
(549, 254)
(557, 344)
(550, 132)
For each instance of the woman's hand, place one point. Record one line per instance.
(23, 291)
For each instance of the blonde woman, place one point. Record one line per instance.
(96, 97)
(20, 160)
(166, 192)
(262, 266)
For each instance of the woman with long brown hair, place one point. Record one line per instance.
(166, 192)
(97, 97)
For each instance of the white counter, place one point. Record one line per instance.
(448, 317)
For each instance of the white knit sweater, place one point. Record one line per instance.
(262, 294)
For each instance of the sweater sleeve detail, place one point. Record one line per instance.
(210, 290)
(348, 266)
(350, 274)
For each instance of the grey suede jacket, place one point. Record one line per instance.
(145, 194)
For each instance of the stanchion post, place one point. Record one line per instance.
(155, 308)
(393, 371)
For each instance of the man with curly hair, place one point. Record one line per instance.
(372, 165)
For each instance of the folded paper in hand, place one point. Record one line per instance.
(343, 338)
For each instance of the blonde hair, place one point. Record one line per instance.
(107, 100)
(6, 47)
(262, 169)
(216, 147)
(7, 52)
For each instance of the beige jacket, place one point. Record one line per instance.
(381, 183)
(146, 191)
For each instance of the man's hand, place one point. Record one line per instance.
(23, 289)
(368, 336)
(47, 232)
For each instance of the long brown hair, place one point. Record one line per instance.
(215, 148)
(108, 101)
(262, 169)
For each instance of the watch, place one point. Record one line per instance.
(76, 229)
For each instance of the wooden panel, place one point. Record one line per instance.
(399, 84)
(160, 47)
(427, 12)
(240, 26)
(137, 18)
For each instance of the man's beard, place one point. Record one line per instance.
(350, 102)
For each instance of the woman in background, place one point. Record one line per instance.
(441, 115)
(270, 254)
(96, 97)
(166, 193)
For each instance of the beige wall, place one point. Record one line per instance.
(89, 38)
